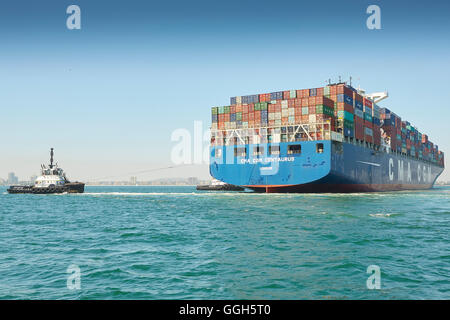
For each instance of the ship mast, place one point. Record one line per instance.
(51, 158)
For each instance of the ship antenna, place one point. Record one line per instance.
(51, 158)
(350, 81)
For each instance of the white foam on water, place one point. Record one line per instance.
(380, 214)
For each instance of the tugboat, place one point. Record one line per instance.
(52, 180)
(217, 185)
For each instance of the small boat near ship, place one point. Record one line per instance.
(52, 180)
(217, 185)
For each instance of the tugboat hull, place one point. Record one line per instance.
(73, 187)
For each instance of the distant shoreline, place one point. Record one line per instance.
(146, 185)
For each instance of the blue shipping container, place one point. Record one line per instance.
(348, 132)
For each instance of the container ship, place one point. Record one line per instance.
(330, 139)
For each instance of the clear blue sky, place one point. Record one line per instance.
(108, 96)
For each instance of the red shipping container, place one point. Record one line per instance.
(271, 122)
(297, 103)
(232, 109)
(359, 128)
(284, 120)
(376, 135)
(298, 111)
(357, 97)
(368, 138)
(368, 103)
(344, 106)
(305, 102)
(278, 107)
(226, 117)
(251, 116)
(239, 108)
(312, 109)
(245, 108)
(333, 91)
(319, 91)
(251, 107)
(299, 93)
(262, 98)
(298, 118)
(368, 124)
(271, 108)
(286, 95)
(325, 101)
(312, 101)
(257, 115)
(305, 93)
(342, 89)
(291, 103)
(305, 118)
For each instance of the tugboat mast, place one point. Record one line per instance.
(51, 158)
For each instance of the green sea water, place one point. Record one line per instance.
(179, 243)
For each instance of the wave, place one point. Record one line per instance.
(381, 214)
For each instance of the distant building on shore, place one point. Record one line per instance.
(12, 178)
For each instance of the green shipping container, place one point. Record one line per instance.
(257, 106)
(345, 115)
(226, 109)
(263, 105)
(238, 116)
(221, 110)
(348, 124)
(324, 110)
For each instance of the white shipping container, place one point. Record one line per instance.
(284, 104)
(278, 116)
(291, 111)
(276, 138)
(271, 116)
(293, 94)
(284, 113)
(238, 100)
(312, 118)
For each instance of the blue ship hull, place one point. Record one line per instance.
(333, 167)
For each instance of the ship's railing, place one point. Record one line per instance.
(275, 134)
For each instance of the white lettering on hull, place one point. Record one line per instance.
(391, 169)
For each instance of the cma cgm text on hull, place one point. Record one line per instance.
(331, 139)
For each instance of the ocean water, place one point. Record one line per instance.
(179, 243)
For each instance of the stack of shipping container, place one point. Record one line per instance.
(339, 106)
